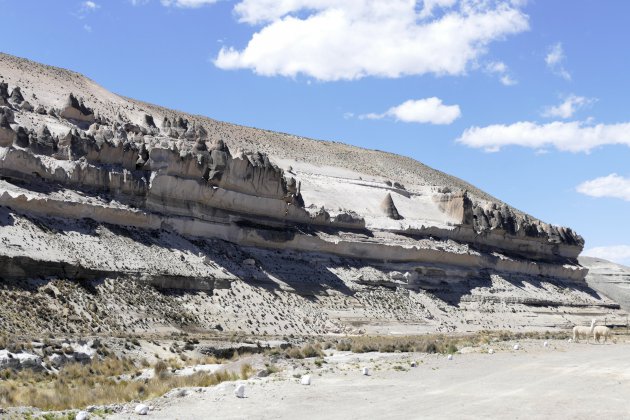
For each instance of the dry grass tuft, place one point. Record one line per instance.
(309, 350)
(101, 382)
(435, 343)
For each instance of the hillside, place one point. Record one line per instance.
(118, 215)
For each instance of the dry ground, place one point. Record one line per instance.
(564, 380)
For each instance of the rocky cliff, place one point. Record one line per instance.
(97, 186)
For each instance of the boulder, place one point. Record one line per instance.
(141, 409)
(81, 415)
(26, 106)
(77, 111)
(57, 360)
(8, 361)
(41, 110)
(239, 391)
(21, 360)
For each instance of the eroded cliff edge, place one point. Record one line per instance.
(71, 151)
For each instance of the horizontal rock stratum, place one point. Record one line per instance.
(98, 186)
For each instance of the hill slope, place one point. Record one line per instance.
(267, 233)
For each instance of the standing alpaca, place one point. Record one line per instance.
(601, 331)
(579, 330)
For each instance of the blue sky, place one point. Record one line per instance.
(527, 100)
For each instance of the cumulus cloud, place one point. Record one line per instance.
(616, 253)
(568, 107)
(501, 69)
(611, 186)
(186, 3)
(423, 111)
(332, 40)
(555, 59)
(574, 136)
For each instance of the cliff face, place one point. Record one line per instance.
(75, 152)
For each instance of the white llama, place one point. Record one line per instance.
(579, 330)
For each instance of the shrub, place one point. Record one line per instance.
(160, 368)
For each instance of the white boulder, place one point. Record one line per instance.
(81, 415)
(142, 409)
(239, 391)
(306, 380)
(366, 371)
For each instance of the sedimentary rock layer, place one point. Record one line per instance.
(86, 160)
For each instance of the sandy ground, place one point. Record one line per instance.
(576, 381)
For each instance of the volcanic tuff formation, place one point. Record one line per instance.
(93, 188)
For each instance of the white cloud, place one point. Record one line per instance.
(616, 253)
(501, 69)
(185, 3)
(611, 186)
(87, 28)
(555, 61)
(574, 136)
(85, 8)
(567, 108)
(507, 80)
(423, 111)
(333, 40)
(89, 5)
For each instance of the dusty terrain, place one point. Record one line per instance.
(562, 381)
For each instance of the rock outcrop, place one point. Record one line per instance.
(389, 208)
(4, 94)
(7, 135)
(16, 96)
(76, 110)
(194, 183)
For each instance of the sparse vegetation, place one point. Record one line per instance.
(309, 350)
(97, 383)
(436, 343)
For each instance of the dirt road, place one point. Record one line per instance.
(564, 380)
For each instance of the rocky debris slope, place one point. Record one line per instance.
(91, 188)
